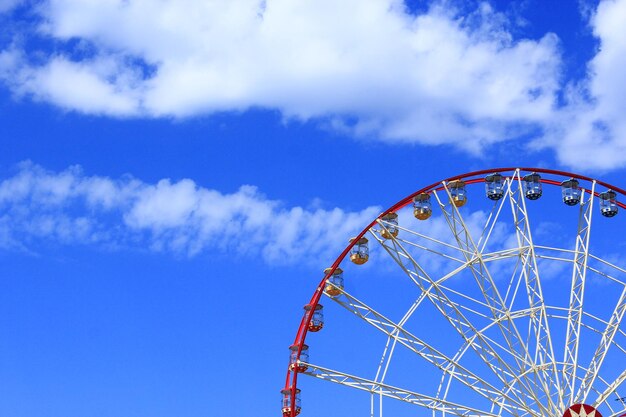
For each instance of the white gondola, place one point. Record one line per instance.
(494, 186)
(571, 192)
(532, 186)
(608, 203)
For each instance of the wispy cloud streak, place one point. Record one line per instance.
(38, 206)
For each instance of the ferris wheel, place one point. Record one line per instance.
(499, 292)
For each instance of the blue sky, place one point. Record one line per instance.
(174, 176)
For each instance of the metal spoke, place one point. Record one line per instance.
(610, 389)
(427, 352)
(491, 222)
(601, 351)
(478, 342)
(426, 248)
(390, 391)
(384, 367)
(574, 317)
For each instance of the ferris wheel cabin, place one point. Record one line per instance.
(494, 186)
(570, 192)
(457, 192)
(532, 186)
(286, 402)
(608, 203)
(390, 228)
(317, 320)
(294, 364)
(422, 208)
(334, 285)
(359, 254)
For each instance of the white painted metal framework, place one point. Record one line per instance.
(531, 317)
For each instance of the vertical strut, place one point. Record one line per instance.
(574, 315)
(544, 353)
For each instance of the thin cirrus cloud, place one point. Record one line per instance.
(180, 217)
(370, 68)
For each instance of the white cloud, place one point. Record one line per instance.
(71, 208)
(436, 77)
(591, 130)
(8, 5)
(369, 68)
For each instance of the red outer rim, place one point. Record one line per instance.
(292, 376)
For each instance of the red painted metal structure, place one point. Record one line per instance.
(292, 376)
(579, 409)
